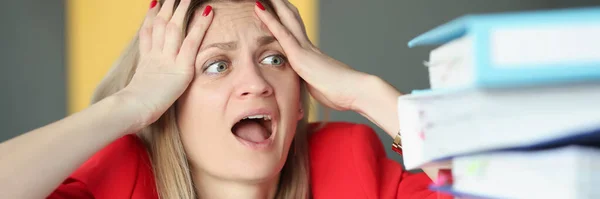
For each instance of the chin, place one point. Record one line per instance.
(262, 140)
(259, 171)
(260, 165)
(247, 166)
(252, 146)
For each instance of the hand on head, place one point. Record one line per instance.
(166, 65)
(331, 82)
(168, 57)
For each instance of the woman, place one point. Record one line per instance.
(217, 113)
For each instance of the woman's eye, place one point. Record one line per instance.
(217, 67)
(276, 60)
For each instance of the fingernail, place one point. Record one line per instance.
(444, 177)
(260, 5)
(153, 3)
(441, 180)
(207, 11)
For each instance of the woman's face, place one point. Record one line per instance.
(241, 72)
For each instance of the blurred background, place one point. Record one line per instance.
(54, 53)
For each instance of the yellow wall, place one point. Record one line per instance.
(97, 32)
(310, 14)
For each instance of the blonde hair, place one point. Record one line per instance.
(169, 161)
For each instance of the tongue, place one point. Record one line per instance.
(250, 130)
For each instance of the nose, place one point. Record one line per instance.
(253, 84)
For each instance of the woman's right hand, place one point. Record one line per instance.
(164, 71)
(166, 64)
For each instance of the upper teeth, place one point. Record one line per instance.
(264, 117)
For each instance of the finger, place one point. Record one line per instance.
(174, 28)
(145, 33)
(287, 41)
(160, 21)
(290, 18)
(294, 9)
(166, 10)
(191, 43)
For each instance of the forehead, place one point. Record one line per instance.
(234, 22)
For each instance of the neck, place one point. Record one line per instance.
(208, 186)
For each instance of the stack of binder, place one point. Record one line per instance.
(514, 104)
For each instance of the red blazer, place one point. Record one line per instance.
(346, 161)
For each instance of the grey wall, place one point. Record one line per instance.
(371, 36)
(32, 74)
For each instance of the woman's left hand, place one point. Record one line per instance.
(331, 82)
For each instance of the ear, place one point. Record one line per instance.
(300, 112)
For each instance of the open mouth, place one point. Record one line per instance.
(253, 128)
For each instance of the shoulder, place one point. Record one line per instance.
(122, 169)
(121, 156)
(345, 156)
(348, 160)
(346, 136)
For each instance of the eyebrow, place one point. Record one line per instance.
(265, 40)
(232, 45)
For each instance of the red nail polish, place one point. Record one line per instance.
(207, 11)
(444, 177)
(441, 180)
(260, 5)
(153, 3)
